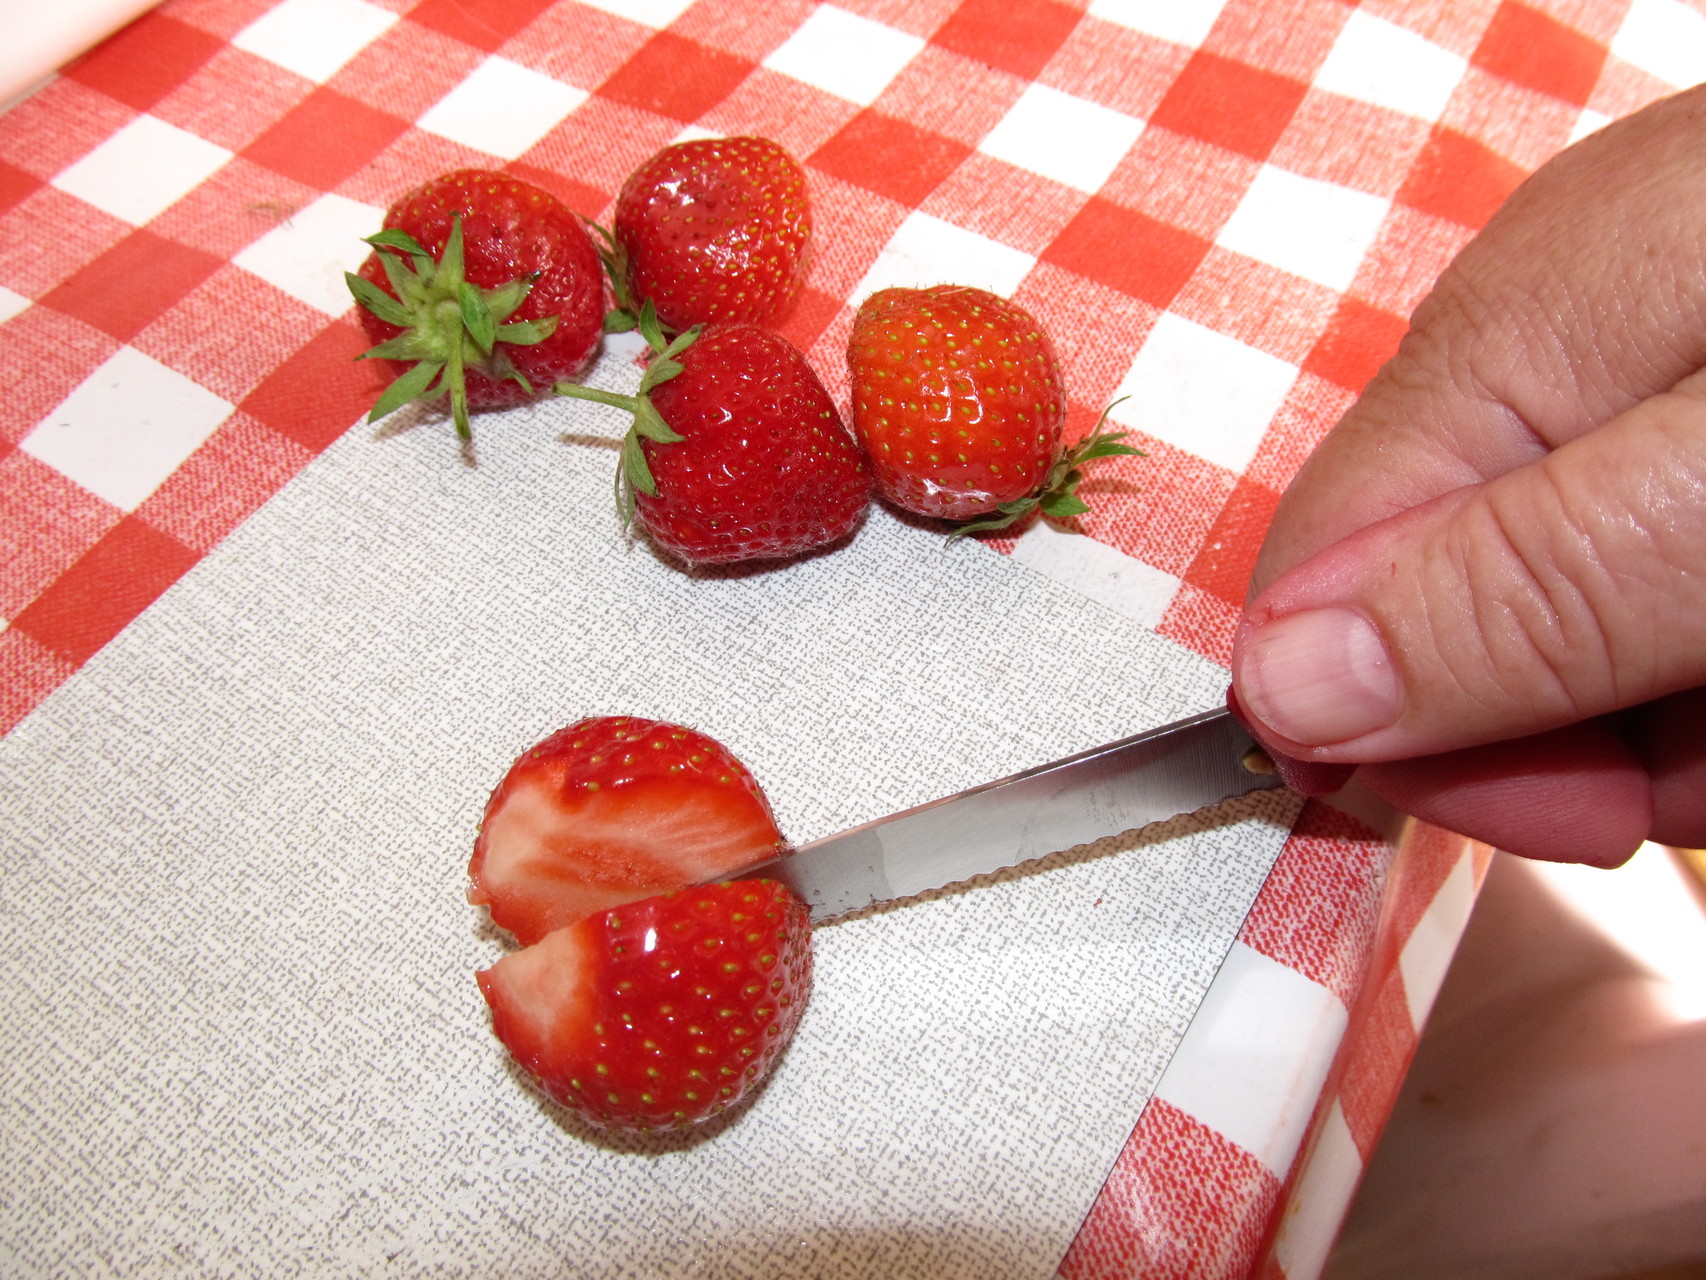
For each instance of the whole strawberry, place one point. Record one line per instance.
(482, 288)
(712, 230)
(610, 810)
(959, 402)
(659, 1014)
(736, 451)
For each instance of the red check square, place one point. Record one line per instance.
(1019, 36)
(1359, 339)
(16, 185)
(146, 60)
(102, 593)
(1537, 51)
(325, 139)
(46, 522)
(130, 284)
(1376, 1060)
(233, 99)
(322, 390)
(892, 157)
(1457, 178)
(485, 26)
(1230, 104)
(675, 77)
(1228, 554)
(1128, 251)
(59, 352)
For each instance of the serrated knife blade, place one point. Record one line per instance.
(1122, 786)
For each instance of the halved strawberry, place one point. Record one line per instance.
(611, 810)
(661, 1013)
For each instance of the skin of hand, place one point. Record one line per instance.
(1487, 586)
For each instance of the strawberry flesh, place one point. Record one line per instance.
(661, 1013)
(611, 810)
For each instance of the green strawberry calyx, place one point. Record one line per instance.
(634, 474)
(613, 255)
(1057, 496)
(448, 324)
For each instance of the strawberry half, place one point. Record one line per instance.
(958, 400)
(663, 1013)
(611, 810)
(736, 451)
(482, 288)
(712, 230)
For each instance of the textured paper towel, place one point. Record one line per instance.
(242, 1032)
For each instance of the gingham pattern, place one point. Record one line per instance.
(1222, 208)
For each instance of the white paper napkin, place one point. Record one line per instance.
(242, 1032)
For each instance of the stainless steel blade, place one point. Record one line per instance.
(1122, 786)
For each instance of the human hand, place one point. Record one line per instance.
(1487, 586)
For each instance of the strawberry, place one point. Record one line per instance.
(482, 287)
(959, 402)
(610, 810)
(662, 1013)
(736, 451)
(712, 230)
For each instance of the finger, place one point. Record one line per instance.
(1572, 795)
(1583, 296)
(1669, 738)
(1569, 588)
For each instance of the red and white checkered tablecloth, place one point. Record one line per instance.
(1223, 209)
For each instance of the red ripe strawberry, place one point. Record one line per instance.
(737, 451)
(663, 1013)
(713, 230)
(958, 400)
(611, 810)
(482, 287)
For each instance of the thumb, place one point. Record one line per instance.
(1563, 589)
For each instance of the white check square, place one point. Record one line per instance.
(844, 54)
(1252, 1064)
(502, 108)
(1379, 62)
(1204, 392)
(314, 38)
(307, 255)
(1314, 229)
(1033, 135)
(1665, 38)
(142, 169)
(126, 427)
(925, 250)
(11, 304)
(1185, 22)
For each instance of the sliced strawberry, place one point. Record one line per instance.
(611, 810)
(661, 1013)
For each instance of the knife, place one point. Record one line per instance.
(1149, 777)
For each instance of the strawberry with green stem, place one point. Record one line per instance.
(735, 450)
(959, 401)
(481, 288)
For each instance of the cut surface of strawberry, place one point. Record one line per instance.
(610, 810)
(661, 1013)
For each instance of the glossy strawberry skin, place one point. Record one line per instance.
(957, 398)
(610, 810)
(661, 1013)
(765, 470)
(715, 230)
(510, 229)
